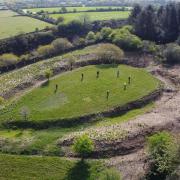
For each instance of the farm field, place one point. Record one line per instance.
(12, 24)
(72, 8)
(46, 103)
(93, 16)
(24, 167)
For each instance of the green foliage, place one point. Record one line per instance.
(48, 73)
(61, 44)
(45, 50)
(8, 59)
(124, 39)
(110, 174)
(109, 53)
(91, 37)
(83, 145)
(172, 54)
(163, 152)
(105, 32)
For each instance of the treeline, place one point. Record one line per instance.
(64, 10)
(157, 24)
(25, 43)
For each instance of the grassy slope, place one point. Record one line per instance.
(44, 141)
(76, 98)
(12, 25)
(93, 16)
(71, 8)
(23, 168)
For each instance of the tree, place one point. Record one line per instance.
(8, 59)
(61, 45)
(172, 54)
(46, 50)
(163, 152)
(147, 23)
(90, 38)
(24, 111)
(105, 32)
(83, 145)
(60, 20)
(48, 74)
(134, 14)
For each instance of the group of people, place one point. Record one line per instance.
(97, 76)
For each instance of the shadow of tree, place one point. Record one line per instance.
(81, 171)
(46, 83)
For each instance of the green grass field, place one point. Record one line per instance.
(76, 98)
(46, 168)
(93, 16)
(11, 24)
(44, 142)
(72, 8)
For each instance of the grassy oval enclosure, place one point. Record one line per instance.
(70, 95)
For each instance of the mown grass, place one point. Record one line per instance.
(12, 24)
(72, 8)
(77, 98)
(24, 168)
(93, 16)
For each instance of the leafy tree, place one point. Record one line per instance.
(172, 54)
(91, 37)
(105, 32)
(61, 45)
(134, 14)
(59, 20)
(46, 50)
(48, 74)
(83, 145)
(8, 59)
(163, 152)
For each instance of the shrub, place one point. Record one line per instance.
(163, 152)
(172, 54)
(83, 145)
(90, 38)
(8, 59)
(110, 174)
(109, 53)
(46, 50)
(105, 32)
(124, 39)
(48, 74)
(61, 44)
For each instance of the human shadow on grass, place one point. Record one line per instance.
(81, 171)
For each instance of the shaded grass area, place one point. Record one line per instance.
(93, 16)
(45, 141)
(76, 97)
(23, 167)
(12, 24)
